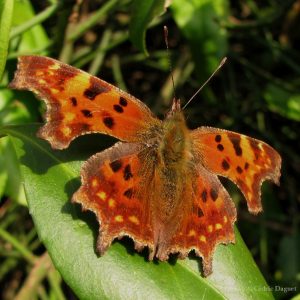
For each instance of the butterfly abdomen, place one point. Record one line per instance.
(173, 165)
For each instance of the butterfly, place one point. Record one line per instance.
(159, 185)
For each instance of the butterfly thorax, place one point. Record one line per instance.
(174, 146)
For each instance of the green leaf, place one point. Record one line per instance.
(12, 185)
(51, 177)
(283, 102)
(3, 173)
(199, 21)
(143, 12)
(13, 111)
(6, 12)
(34, 37)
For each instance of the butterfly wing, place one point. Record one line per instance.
(244, 160)
(78, 103)
(115, 188)
(208, 223)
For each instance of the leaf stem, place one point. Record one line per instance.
(40, 270)
(117, 73)
(39, 18)
(6, 13)
(82, 27)
(98, 59)
(21, 248)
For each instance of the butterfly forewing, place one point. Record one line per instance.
(244, 160)
(78, 103)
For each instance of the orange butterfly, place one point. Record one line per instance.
(160, 185)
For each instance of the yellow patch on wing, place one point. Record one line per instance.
(119, 218)
(134, 220)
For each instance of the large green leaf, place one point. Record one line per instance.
(199, 21)
(12, 109)
(10, 172)
(283, 102)
(6, 13)
(35, 36)
(51, 177)
(142, 14)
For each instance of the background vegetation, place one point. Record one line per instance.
(256, 93)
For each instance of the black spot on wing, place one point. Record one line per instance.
(73, 101)
(128, 193)
(127, 172)
(116, 165)
(204, 195)
(225, 165)
(199, 212)
(236, 140)
(108, 121)
(87, 113)
(220, 147)
(123, 101)
(255, 148)
(118, 108)
(94, 89)
(239, 169)
(218, 138)
(214, 194)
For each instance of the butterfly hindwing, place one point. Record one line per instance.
(114, 186)
(208, 223)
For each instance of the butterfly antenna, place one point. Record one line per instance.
(204, 84)
(169, 59)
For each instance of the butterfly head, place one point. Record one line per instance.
(175, 108)
(175, 119)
